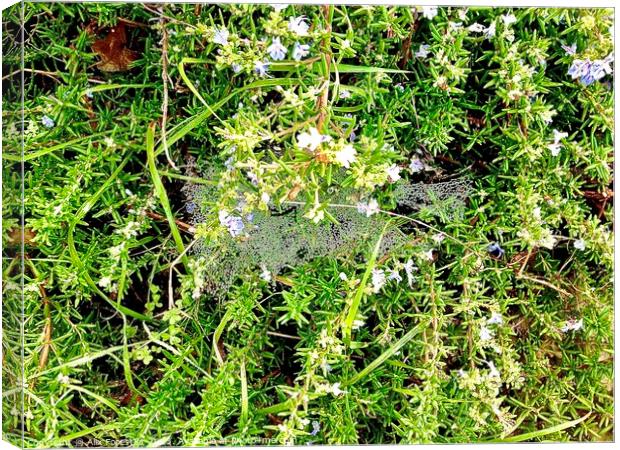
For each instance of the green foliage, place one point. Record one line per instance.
(143, 313)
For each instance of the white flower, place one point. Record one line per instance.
(315, 214)
(547, 240)
(555, 149)
(279, 6)
(509, 19)
(346, 156)
(409, 268)
(236, 67)
(335, 389)
(298, 26)
(557, 146)
(490, 31)
(429, 12)
(378, 280)
(63, 379)
(252, 177)
(310, 140)
(105, 282)
(547, 116)
(485, 333)
(422, 51)
(558, 136)
(265, 275)
(439, 237)
(428, 255)
(393, 173)
(221, 36)
(276, 50)
(493, 373)
(344, 94)
(300, 51)
(394, 275)
(370, 208)
(109, 142)
(343, 276)
(115, 251)
(580, 244)
(264, 197)
(496, 318)
(357, 324)
(514, 94)
(572, 325)
(476, 28)
(416, 165)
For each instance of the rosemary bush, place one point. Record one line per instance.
(254, 224)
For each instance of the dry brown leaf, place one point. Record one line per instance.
(115, 56)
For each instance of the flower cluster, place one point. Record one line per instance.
(590, 71)
(243, 54)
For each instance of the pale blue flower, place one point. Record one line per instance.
(261, 68)
(394, 275)
(300, 51)
(234, 224)
(236, 67)
(576, 68)
(221, 36)
(416, 165)
(230, 163)
(253, 178)
(316, 427)
(570, 50)
(276, 50)
(47, 122)
(423, 51)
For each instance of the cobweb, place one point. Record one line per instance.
(276, 241)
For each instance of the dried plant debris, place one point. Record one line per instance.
(113, 52)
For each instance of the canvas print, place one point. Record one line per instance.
(276, 224)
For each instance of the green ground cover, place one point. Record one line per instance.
(309, 224)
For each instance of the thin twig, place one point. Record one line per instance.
(545, 283)
(324, 98)
(47, 329)
(166, 80)
(282, 335)
(38, 72)
(182, 225)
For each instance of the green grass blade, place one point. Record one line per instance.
(387, 354)
(352, 313)
(161, 192)
(543, 432)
